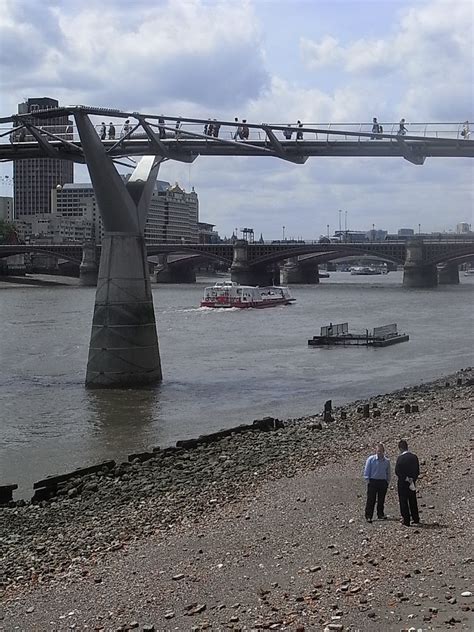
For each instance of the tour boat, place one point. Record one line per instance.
(230, 294)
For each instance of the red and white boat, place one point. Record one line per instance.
(230, 294)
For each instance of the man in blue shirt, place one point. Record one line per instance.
(377, 474)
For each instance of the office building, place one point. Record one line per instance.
(34, 178)
(6, 208)
(172, 217)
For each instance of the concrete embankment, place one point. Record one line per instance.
(257, 530)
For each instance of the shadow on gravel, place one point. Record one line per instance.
(430, 525)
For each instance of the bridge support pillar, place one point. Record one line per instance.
(416, 273)
(448, 274)
(296, 272)
(242, 272)
(123, 348)
(88, 270)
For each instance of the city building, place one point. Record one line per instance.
(463, 227)
(207, 234)
(172, 217)
(405, 232)
(76, 201)
(34, 178)
(6, 208)
(53, 229)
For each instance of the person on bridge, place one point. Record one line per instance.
(244, 130)
(299, 133)
(466, 132)
(111, 131)
(288, 132)
(236, 134)
(376, 129)
(215, 128)
(102, 131)
(407, 470)
(126, 127)
(402, 130)
(377, 474)
(161, 126)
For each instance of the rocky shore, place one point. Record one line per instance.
(261, 529)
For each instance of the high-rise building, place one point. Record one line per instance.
(463, 227)
(172, 217)
(76, 201)
(33, 178)
(6, 208)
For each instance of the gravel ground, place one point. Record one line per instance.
(262, 530)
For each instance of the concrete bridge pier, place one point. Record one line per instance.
(123, 347)
(296, 271)
(448, 274)
(241, 271)
(88, 270)
(417, 273)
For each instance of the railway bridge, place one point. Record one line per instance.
(255, 264)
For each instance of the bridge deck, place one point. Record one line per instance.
(187, 150)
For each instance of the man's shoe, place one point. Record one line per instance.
(416, 524)
(368, 519)
(381, 517)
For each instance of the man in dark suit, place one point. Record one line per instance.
(407, 470)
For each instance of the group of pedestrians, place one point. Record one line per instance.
(377, 129)
(288, 132)
(377, 473)
(242, 131)
(211, 128)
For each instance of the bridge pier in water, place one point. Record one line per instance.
(448, 274)
(417, 273)
(123, 348)
(296, 271)
(88, 270)
(244, 273)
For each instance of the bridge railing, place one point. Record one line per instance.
(327, 132)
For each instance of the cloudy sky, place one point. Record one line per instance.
(319, 61)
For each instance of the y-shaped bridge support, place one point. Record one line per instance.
(123, 348)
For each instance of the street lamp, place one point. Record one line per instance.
(419, 229)
(327, 226)
(283, 232)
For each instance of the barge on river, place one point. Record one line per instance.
(339, 334)
(230, 294)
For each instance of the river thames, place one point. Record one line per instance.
(220, 367)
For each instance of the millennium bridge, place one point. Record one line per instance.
(124, 348)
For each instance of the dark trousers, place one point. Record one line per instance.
(376, 491)
(408, 503)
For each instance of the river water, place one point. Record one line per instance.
(221, 367)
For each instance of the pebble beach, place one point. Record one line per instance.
(258, 530)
